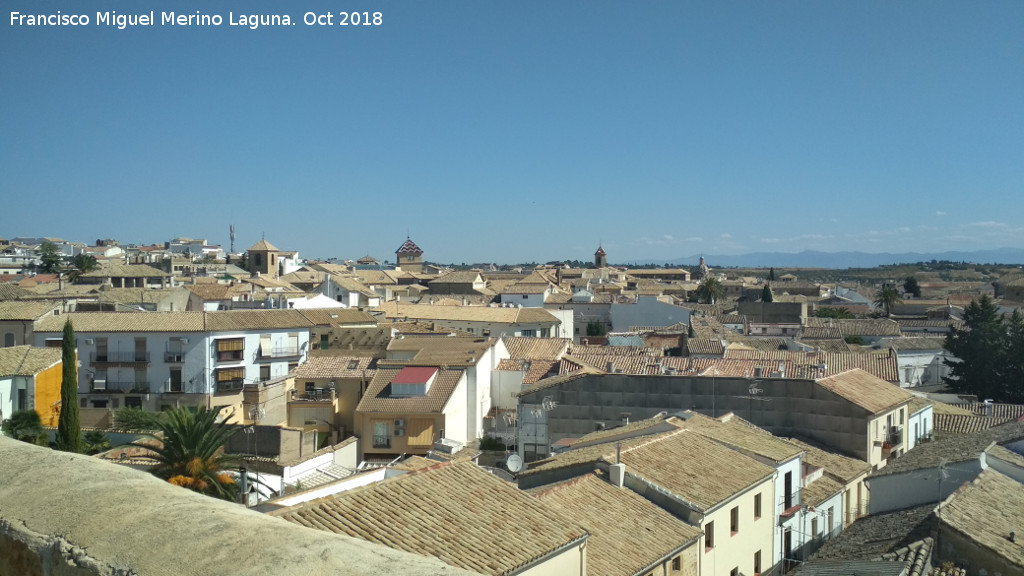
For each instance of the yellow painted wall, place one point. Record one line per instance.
(47, 394)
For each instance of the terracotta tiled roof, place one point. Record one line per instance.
(263, 245)
(817, 492)
(997, 410)
(832, 346)
(335, 367)
(126, 271)
(26, 310)
(337, 316)
(27, 360)
(434, 350)
(457, 512)
(960, 424)
(821, 332)
(378, 394)
(627, 532)
(869, 392)
(985, 511)
(840, 467)
(176, 321)
(11, 291)
(952, 448)
(732, 431)
(883, 366)
(531, 348)
(722, 474)
(859, 327)
(535, 369)
(467, 313)
(711, 346)
(126, 322)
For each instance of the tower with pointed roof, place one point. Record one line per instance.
(600, 258)
(409, 257)
(263, 258)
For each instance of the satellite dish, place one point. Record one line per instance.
(514, 463)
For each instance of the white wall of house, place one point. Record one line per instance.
(191, 354)
(11, 389)
(793, 468)
(646, 311)
(456, 414)
(571, 560)
(819, 518)
(736, 550)
(919, 425)
(921, 367)
(505, 384)
(897, 491)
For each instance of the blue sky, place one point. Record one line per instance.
(523, 131)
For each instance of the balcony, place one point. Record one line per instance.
(114, 387)
(278, 352)
(119, 357)
(313, 395)
(230, 385)
(895, 436)
(174, 357)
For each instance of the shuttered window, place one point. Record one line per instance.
(420, 433)
(230, 349)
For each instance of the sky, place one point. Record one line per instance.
(522, 131)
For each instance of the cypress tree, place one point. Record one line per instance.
(69, 432)
(766, 294)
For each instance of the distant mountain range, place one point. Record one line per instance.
(816, 259)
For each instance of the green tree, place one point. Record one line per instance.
(833, 312)
(989, 353)
(766, 294)
(95, 441)
(771, 274)
(69, 433)
(887, 297)
(81, 264)
(595, 328)
(50, 258)
(710, 291)
(25, 425)
(188, 450)
(136, 420)
(910, 285)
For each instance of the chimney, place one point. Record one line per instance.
(617, 471)
(610, 367)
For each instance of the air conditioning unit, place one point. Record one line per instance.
(399, 423)
(99, 384)
(89, 341)
(399, 432)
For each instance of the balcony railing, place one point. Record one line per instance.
(113, 387)
(119, 357)
(230, 385)
(895, 435)
(313, 395)
(381, 441)
(174, 357)
(279, 351)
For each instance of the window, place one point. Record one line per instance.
(132, 402)
(8, 339)
(525, 296)
(175, 380)
(757, 506)
(265, 372)
(101, 349)
(230, 349)
(230, 379)
(529, 333)
(814, 527)
(353, 364)
(324, 341)
(709, 536)
(734, 520)
(828, 522)
(677, 564)
(788, 494)
(757, 562)
(381, 434)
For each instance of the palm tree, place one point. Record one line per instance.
(95, 441)
(710, 290)
(189, 451)
(887, 297)
(25, 425)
